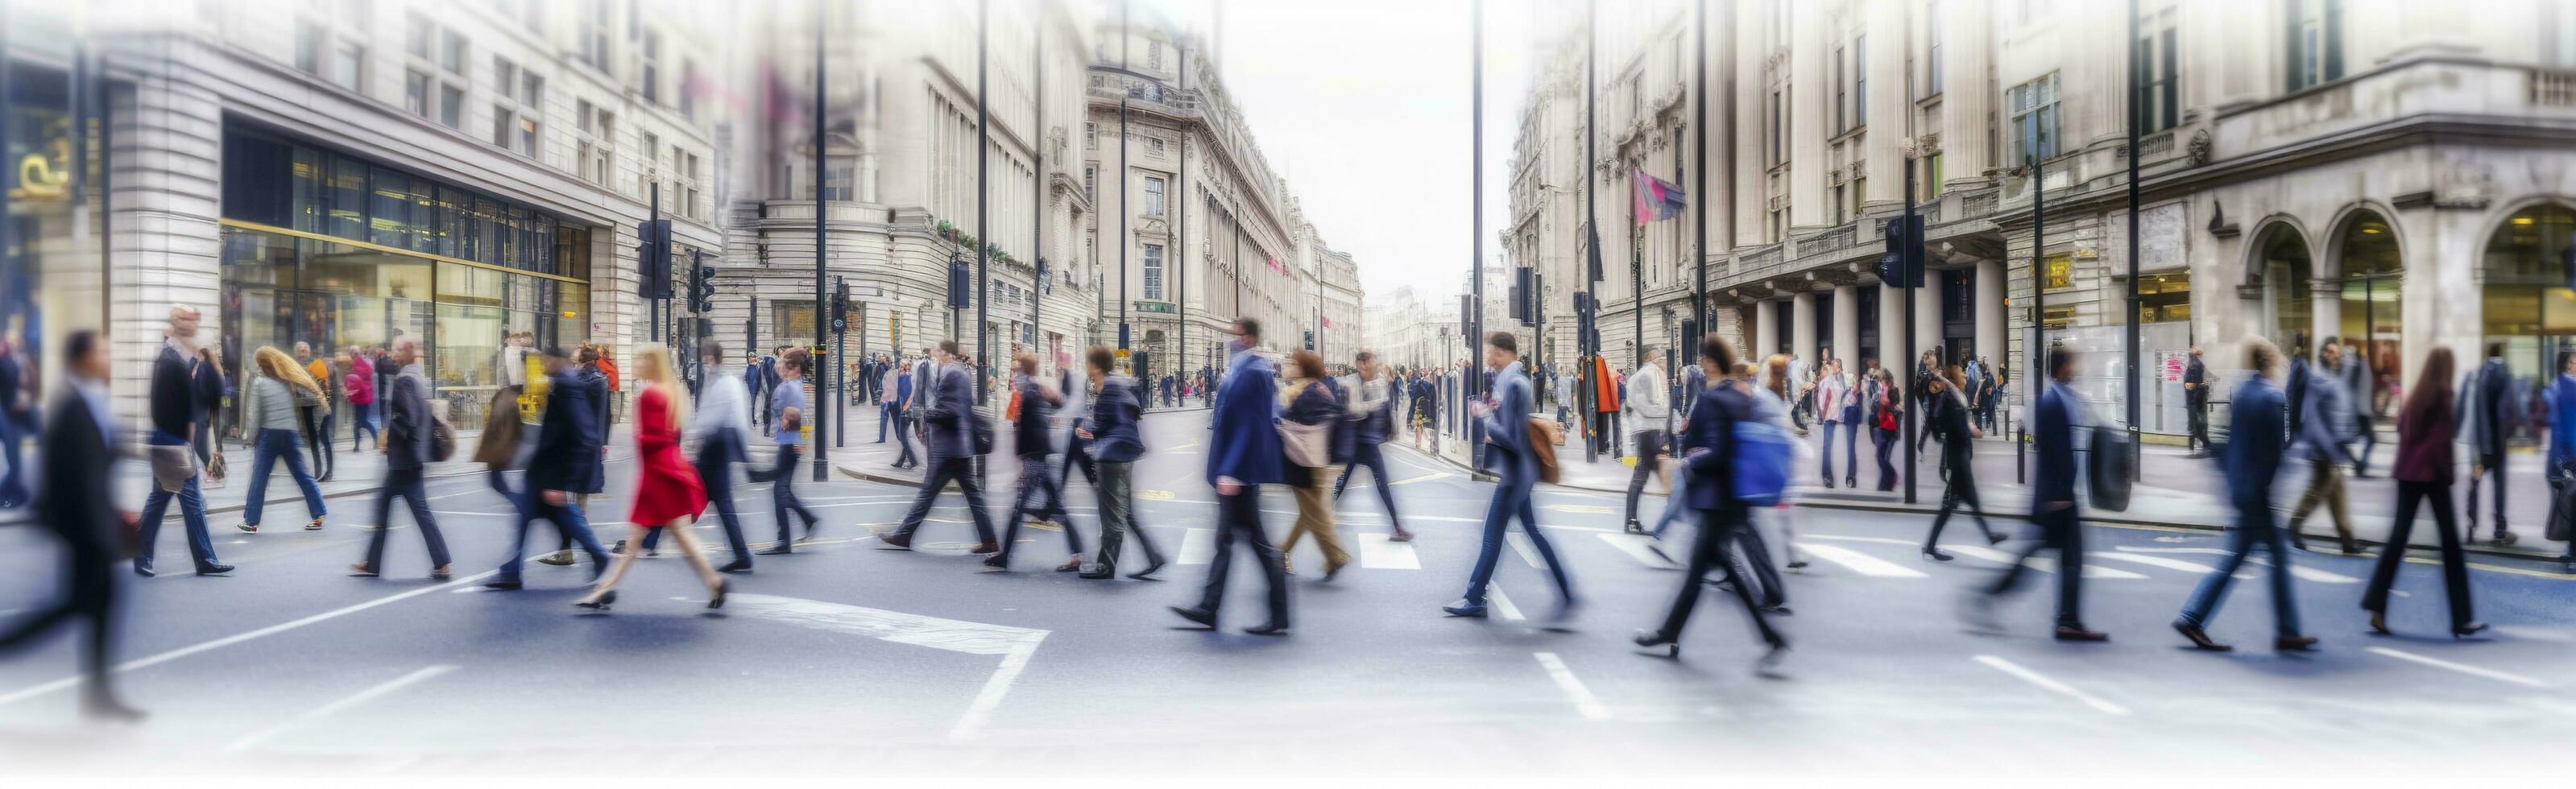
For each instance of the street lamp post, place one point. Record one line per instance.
(822, 462)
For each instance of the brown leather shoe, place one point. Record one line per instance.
(986, 548)
(2294, 644)
(2199, 638)
(2078, 633)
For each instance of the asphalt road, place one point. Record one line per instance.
(846, 659)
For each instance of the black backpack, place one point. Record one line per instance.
(2110, 469)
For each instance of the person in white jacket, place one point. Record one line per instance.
(1649, 410)
(1775, 386)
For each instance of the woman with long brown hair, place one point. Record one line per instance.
(2425, 427)
(668, 494)
(269, 416)
(1310, 413)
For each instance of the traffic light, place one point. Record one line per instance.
(653, 259)
(957, 284)
(840, 305)
(1902, 264)
(1310, 339)
(702, 287)
(1523, 296)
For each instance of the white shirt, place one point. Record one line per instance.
(1648, 399)
(723, 404)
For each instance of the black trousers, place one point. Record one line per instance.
(1238, 516)
(782, 492)
(1718, 535)
(1649, 444)
(715, 471)
(1039, 496)
(2455, 563)
(2494, 465)
(944, 470)
(2198, 405)
(1962, 490)
(89, 593)
(2063, 531)
(407, 484)
(1370, 456)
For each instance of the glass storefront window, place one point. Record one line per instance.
(2372, 277)
(2525, 302)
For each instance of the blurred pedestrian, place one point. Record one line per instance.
(499, 447)
(360, 383)
(668, 496)
(270, 410)
(1709, 454)
(76, 507)
(1505, 414)
(2195, 398)
(174, 469)
(2561, 470)
(1244, 453)
(950, 419)
(1838, 405)
(1372, 404)
(407, 455)
(1650, 412)
(722, 424)
(2497, 406)
(1771, 391)
(787, 416)
(211, 387)
(588, 386)
(2256, 417)
(1956, 429)
(2426, 424)
(2324, 437)
(314, 404)
(1316, 438)
(15, 423)
(2054, 421)
(1884, 402)
(561, 464)
(1112, 438)
(2359, 392)
(1033, 440)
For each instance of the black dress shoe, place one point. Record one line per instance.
(717, 598)
(1198, 616)
(896, 539)
(214, 568)
(2294, 644)
(1148, 572)
(2199, 638)
(2078, 633)
(775, 550)
(600, 604)
(985, 548)
(1935, 555)
(2467, 630)
(1101, 575)
(1650, 639)
(502, 586)
(143, 569)
(997, 562)
(737, 566)
(1269, 629)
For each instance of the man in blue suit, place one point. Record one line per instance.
(2052, 506)
(1372, 404)
(1110, 436)
(1708, 455)
(567, 455)
(2257, 415)
(950, 443)
(1243, 454)
(1506, 416)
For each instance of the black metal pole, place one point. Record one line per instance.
(1699, 157)
(1909, 268)
(1125, 211)
(2137, 109)
(1587, 347)
(821, 453)
(983, 231)
(1472, 384)
(1037, 201)
(841, 372)
(2035, 369)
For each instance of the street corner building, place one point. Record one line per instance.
(2393, 175)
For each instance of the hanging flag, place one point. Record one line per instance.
(1657, 199)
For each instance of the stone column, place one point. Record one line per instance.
(1808, 84)
(1967, 93)
(1761, 337)
(167, 143)
(1991, 310)
(1891, 329)
(1802, 327)
(1847, 323)
(1927, 315)
(2325, 312)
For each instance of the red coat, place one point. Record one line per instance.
(668, 489)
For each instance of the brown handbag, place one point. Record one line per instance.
(1543, 437)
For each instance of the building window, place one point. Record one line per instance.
(1090, 136)
(2158, 64)
(1154, 54)
(688, 88)
(1153, 272)
(1929, 185)
(1090, 183)
(416, 93)
(592, 33)
(1932, 51)
(417, 32)
(1153, 196)
(1860, 81)
(1859, 194)
(2034, 118)
(451, 53)
(308, 48)
(515, 117)
(1154, 144)
(1839, 203)
(1779, 130)
(2315, 45)
(347, 65)
(1842, 105)
(451, 106)
(652, 76)
(2558, 34)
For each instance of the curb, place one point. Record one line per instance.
(2112, 519)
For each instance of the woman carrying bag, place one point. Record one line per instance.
(1311, 432)
(270, 418)
(1883, 400)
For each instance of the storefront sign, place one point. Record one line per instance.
(1164, 307)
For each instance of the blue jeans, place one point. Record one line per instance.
(567, 518)
(1512, 498)
(1677, 505)
(362, 422)
(885, 414)
(2253, 522)
(1370, 456)
(272, 445)
(13, 488)
(192, 511)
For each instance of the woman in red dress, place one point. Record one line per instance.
(668, 494)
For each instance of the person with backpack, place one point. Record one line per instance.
(1952, 424)
(1033, 440)
(2052, 507)
(1111, 439)
(948, 394)
(1372, 406)
(1710, 446)
(408, 452)
(2256, 412)
(1506, 416)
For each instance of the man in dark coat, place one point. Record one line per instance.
(566, 458)
(2497, 401)
(1244, 454)
(76, 508)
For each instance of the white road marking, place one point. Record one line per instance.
(2517, 631)
(1521, 545)
(2040, 563)
(1423, 478)
(230, 640)
(1198, 546)
(1858, 562)
(2050, 685)
(1377, 553)
(1584, 701)
(1634, 545)
(2170, 564)
(334, 708)
(2461, 667)
(1014, 644)
(1503, 603)
(2299, 571)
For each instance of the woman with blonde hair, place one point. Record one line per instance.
(269, 420)
(668, 494)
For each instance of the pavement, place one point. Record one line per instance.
(847, 660)
(2174, 489)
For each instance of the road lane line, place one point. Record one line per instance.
(2461, 667)
(2170, 564)
(1014, 644)
(1634, 545)
(1378, 553)
(2299, 571)
(334, 708)
(230, 640)
(1584, 701)
(2533, 633)
(1503, 603)
(1198, 546)
(2050, 685)
(1521, 545)
(1423, 478)
(2040, 563)
(1858, 562)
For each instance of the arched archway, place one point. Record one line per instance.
(2283, 262)
(2371, 266)
(2524, 300)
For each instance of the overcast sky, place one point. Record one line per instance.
(1364, 106)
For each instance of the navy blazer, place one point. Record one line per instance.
(1507, 426)
(1708, 446)
(566, 457)
(2257, 427)
(2053, 433)
(1375, 427)
(950, 415)
(1113, 425)
(407, 423)
(1030, 435)
(1244, 440)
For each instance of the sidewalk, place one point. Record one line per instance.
(2174, 490)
